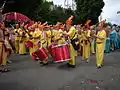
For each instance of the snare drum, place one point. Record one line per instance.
(66, 52)
(42, 54)
(52, 50)
(29, 44)
(61, 53)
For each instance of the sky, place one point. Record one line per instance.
(109, 11)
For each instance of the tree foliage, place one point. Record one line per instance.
(89, 9)
(47, 11)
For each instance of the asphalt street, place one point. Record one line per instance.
(26, 74)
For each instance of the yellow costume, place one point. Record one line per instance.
(92, 46)
(36, 35)
(3, 53)
(73, 53)
(49, 37)
(100, 47)
(31, 39)
(43, 39)
(16, 31)
(86, 45)
(22, 49)
(81, 38)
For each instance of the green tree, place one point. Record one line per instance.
(26, 7)
(89, 9)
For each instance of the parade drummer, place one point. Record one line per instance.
(100, 39)
(40, 38)
(58, 36)
(70, 32)
(49, 33)
(36, 37)
(31, 31)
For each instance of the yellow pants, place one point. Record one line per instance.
(22, 49)
(73, 55)
(17, 46)
(99, 54)
(92, 47)
(3, 55)
(73, 60)
(86, 50)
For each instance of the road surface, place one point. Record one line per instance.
(28, 75)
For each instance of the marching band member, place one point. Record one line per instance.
(86, 42)
(17, 38)
(3, 53)
(31, 31)
(81, 38)
(92, 40)
(48, 32)
(22, 49)
(58, 34)
(36, 36)
(100, 39)
(70, 32)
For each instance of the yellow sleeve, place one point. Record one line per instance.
(103, 34)
(88, 33)
(71, 31)
(36, 34)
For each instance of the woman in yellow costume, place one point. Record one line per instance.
(70, 32)
(92, 40)
(40, 38)
(36, 36)
(100, 39)
(31, 31)
(86, 42)
(3, 53)
(58, 37)
(44, 39)
(17, 37)
(48, 32)
(22, 49)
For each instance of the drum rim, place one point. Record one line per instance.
(62, 60)
(59, 45)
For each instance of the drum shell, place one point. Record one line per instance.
(33, 56)
(42, 54)
(52, 50)
(59, 55)
(66, 52)
(29, 44)
(62, 53)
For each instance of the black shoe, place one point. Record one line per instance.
(73, 66)
(69, 65)
(98, 67)
(0, 70)
(44, 64)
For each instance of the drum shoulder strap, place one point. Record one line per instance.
(73, 36)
